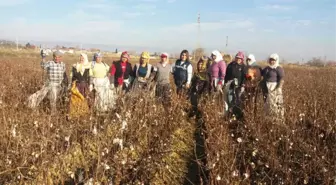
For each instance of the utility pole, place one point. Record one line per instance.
(17, 44)
(227, 41)
(198, 45)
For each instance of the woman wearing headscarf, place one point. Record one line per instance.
(80, 74)
(217, 71)
(200, 83)
(80, 78)
(182, 72)
(121, 73)
(143, 72)
(273, 76)
(227, 58)
(162, 78)
(235, 81)
(101, 84)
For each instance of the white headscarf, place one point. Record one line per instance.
(252, 59)
(274, 56)
(218, 55)
(81, 67)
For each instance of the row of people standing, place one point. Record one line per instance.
(211, 75)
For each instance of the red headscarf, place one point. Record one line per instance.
(125, 55)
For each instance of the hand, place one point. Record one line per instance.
(187, 86)
(90, 87)
(219, 88)
(112, 86)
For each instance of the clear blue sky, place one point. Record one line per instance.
(294, 29)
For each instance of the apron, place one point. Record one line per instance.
(104, 96)
(274, 101)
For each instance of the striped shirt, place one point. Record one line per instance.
(55, 71)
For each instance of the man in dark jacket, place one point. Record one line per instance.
(235, 80)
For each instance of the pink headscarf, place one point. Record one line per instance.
(240, 55)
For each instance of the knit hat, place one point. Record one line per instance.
(57, 53)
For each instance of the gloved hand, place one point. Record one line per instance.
(90, 87)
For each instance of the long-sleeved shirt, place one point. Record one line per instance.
(235, 70)
(55, 70)
(217, 70)
(189, 71)
(100, 70)
(273, 75)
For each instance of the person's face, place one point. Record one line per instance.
(200, 65)
(184, 56)
(124, 59)
(239, 60)
(271, 61)
(81, 59)
(248, 60)
(98, 59)
(164, 59)
(213, 57)
(57, 58)
(142, 60)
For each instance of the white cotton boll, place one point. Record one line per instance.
(123, 125)
(235, 173)
(67, 138)
(239, 140)
(94, 131)
(107, 167)
(218, 178)
(254, 153)
(123, 162)
(116, 141)
(14, 131)
(89, 182)
(118, 116)
(36, 124)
